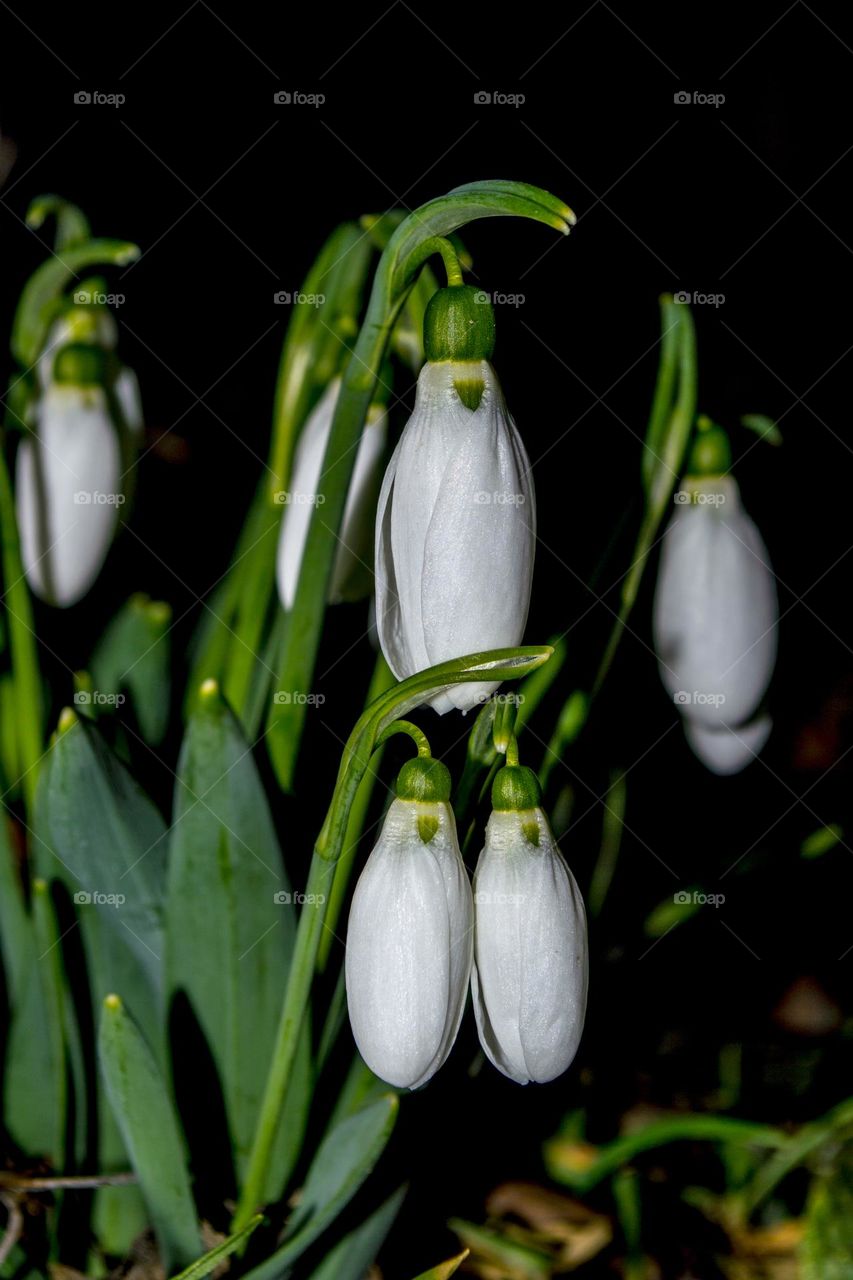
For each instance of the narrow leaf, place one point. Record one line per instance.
(151, 1133)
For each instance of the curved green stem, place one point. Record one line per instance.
(417, 735)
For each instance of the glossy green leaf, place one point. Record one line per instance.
(44, 287)
(341, 1163)
(133, 657)
(211, 1260)
(352, 1257)
(520, 1260)
(230, 925)
(150, 1129)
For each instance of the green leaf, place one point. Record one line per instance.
(519, 1260)
(827, 1249)
(211, 1260)
(72, 225)
(352, 1257)
(100, 834)
(674, 910)
(821, 841)
(765, 428)
(445, 1269)
(342, 1162)
(34, 1077)
(232, 958)
(151, 1132)
(134, 656)
(41, 292)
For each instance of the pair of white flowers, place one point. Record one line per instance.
(69, 468)
(455, 525)
(417, 934)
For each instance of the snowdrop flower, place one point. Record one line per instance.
(351, 575)
(126, 388)
(409, 938)
(68, 481)
(529, 979)
(456, 523)
(726, 751)
(715, 608)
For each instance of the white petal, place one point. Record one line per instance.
(725, 750)
(130, 400)
(68, 490)
(302, 494)
(352, 576)
(715, 612)
(530, 954)
(409, 947)
(455, 532)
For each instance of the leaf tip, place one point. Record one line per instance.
(67, 720)
(112, 1003)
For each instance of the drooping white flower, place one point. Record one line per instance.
(352, 572)
(529, 980)
(727, 750)
(68, 490)
(455, 529)
(715, 609)
(409, 944)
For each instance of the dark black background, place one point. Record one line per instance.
(230, 195)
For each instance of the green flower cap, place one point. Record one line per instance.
(459, 325)
(711, 454)
(80, 364)
(516, 788)
(425, 780)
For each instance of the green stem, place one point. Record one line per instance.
(308, 934)
(22, 643)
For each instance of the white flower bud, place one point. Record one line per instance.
(68, 490)
(352, 572)
(529, 980)
(455, 530)
(409, 945)
(715, 610)
(725, 750)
